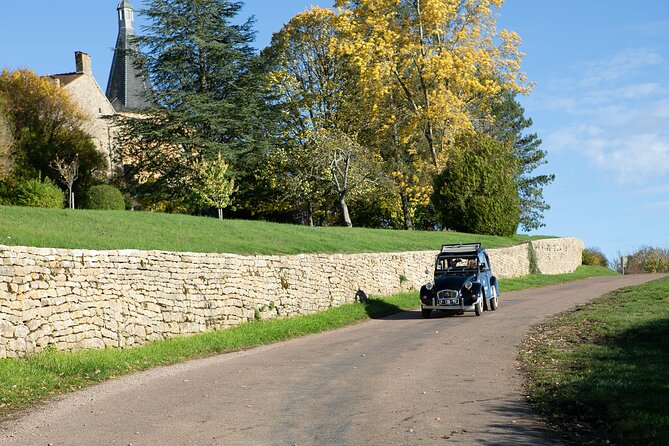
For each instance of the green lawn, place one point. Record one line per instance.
(601, 373)
(540, 280)
(26, 381)
(20, 226)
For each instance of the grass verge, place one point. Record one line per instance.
(541, 280)
(600, 373)
(26, 381)
(103, 230)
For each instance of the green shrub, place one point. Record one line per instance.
(648, 260)
(594, 257)
(104, 197)
(532, 258)
(39, 194)
(477, 192)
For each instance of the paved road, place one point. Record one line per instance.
(400, 380)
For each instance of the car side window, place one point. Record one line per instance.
(483, 260)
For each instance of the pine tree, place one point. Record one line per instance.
(206, 97)
(510, 126)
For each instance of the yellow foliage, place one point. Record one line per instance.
(432, 58)
(28, 94)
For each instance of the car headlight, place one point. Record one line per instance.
(468, 286)
(429, 286)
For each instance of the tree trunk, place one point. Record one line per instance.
(344, 210)
(310, 214)
(70, 195)
(406, 211)
(429, 135)
(220, 213)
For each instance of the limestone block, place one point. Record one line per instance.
(21, 332)
(34, 324)
(20, 346)
(7, 329)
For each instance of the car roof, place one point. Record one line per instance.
(460, 249)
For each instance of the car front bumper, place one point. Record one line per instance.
(461, 306)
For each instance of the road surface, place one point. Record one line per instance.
(400, 380)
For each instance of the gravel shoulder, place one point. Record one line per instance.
(397, 380)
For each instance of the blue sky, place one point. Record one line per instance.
(601, 101)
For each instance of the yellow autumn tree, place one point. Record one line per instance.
(426, 71)
(6, 143)
(438, 60)
(47, 126)
(313, 82)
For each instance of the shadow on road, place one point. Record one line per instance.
(378, 309)
(403, 315)
(517, 431)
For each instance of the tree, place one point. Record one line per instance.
(407, 183)
(212, 185)
(426, 70)
(206, 95)
(69, 172)
(6, 143)
(644, 261)
(434, 58)
(348, 164)
(477, 192)
(510, 125)
(47, 125)
(311, 86)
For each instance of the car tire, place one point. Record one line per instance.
(494, 300)
(478, 307)
(425, 312)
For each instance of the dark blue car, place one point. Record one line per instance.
(463, 281)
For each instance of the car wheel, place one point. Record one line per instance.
(478, 308)
(494, 301)
(426, 312)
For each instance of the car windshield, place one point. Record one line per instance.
(456, 265)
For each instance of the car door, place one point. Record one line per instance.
(484, 269)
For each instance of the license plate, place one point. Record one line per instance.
(449, 301)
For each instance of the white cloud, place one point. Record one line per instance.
(662, 109)
(614, 119)
(654, 190)
(658, 206)
(637, 91)
(658, 28)
(636, 159)
(620, 66)
(632, 159)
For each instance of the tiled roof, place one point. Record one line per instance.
(126, 87)
(66, 78)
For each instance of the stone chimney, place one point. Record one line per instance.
(84, 64)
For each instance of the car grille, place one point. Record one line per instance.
(450, 294)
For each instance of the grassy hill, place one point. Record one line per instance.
(102, 230)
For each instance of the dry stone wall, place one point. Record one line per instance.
(74, 299)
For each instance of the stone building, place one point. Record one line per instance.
(87, 95)
(125, 90)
